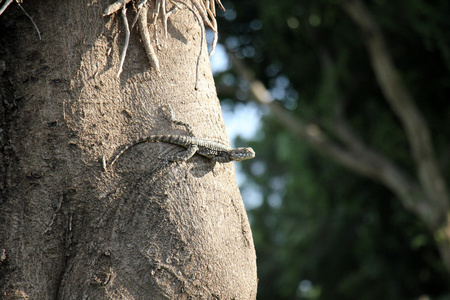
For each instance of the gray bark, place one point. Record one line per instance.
(143, 228)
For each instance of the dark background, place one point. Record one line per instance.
(321, 231)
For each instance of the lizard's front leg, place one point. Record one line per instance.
(219, 158)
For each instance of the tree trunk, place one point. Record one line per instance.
(73, 227)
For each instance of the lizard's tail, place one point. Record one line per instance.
(172, 139)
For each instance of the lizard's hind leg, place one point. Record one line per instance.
(170, 115)
(185, 155)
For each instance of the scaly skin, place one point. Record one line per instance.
(217, 152)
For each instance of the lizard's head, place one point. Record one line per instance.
(239, 154)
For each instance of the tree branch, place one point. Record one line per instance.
(356, 156)
(402, 104)
(5, 6)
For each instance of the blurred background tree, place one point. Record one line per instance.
(353, 150)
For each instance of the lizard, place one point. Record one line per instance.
(217, 152)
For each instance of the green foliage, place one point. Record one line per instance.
(320, 231)
(346, 235)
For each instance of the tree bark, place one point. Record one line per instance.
(142, 228)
